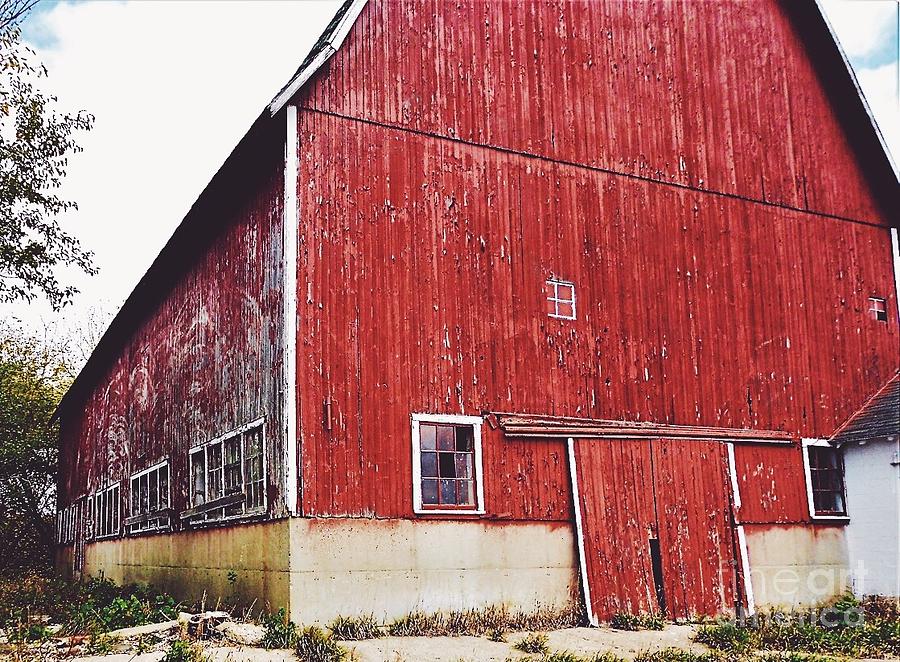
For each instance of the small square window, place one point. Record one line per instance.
(560, 296)
(878, 308)
(446, 464)
(826, 481)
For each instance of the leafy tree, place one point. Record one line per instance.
(33, 378)
(35, 143)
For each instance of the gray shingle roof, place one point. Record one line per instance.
(879, 417)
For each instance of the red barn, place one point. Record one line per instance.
(518, 303)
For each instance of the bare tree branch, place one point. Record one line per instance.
(13, 11)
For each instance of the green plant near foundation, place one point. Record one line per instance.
(183, 650)
(679, 655)
(534, 642)
(624, 621)
(280, 631)
(314, 645)
(356, 628)
(845, 627)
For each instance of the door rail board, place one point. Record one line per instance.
(533, 425)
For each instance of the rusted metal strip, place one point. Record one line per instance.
(523, 425)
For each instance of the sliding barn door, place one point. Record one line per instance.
(655, 526)
(693, 505)
(616, 500)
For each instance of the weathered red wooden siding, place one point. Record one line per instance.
(675, 491)
(615, 482)
(693, 507)
(772, 484)
(205, 359)
(719, 96)
(421, 271)
(528, 478)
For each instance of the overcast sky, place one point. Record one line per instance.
(175, 85)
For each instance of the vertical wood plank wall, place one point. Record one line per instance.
(204, 360)
(680, 162)
(422, 264)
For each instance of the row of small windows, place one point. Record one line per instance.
(227, 481)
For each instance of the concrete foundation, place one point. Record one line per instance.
(328, 567)
(392, 567)
(797, 565)
(194, 564)
(321, 568)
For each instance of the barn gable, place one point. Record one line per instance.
(657, 92)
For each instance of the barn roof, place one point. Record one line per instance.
(878, 417)
(832, 66)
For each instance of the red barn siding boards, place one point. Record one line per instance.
(204, 356)
(772, 484)
(694, 508)
(422, 263)
(673, 491)
(643, 89)
(615, 483)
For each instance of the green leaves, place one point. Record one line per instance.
(35, 143)
(33, 377)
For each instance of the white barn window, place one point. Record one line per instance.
(150, 499)
(560, 296)
(447, 474)
(105, 512)
(824, 468)
(228, 475)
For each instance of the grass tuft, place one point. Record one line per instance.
(534, 642)
(633, 622)
(314, 645)
(182, 650)
(280, 631)
(355, 628)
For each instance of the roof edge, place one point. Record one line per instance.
(872, 398)
(326, 46)
(873, 122)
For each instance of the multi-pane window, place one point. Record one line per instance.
(560, 297)
(447, 459)
(878, 309)
(65, 524)
(228, 475)
(826, 476)
(150, 499)
(105, 512)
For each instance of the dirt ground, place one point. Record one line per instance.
(455, 649)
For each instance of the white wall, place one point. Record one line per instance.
(873, 501)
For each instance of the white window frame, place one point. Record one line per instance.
(555, 283)
(453, 419)
(875, 311)
(212, 516)
(95, 527)
(157, 526)
(809, 489)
